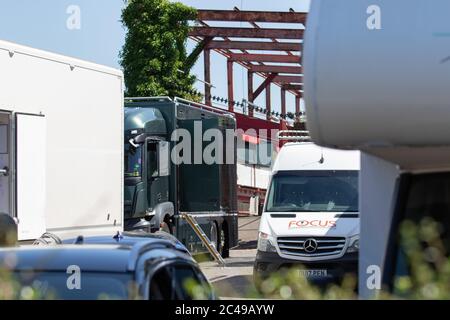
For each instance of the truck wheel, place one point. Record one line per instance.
(166, 225)
(214, 236)
(218, 239)
(224, 251)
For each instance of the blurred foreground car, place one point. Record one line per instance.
(126, 266)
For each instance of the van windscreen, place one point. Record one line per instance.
(313, 191)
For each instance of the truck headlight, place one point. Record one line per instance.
(265, 243)
(354, 244)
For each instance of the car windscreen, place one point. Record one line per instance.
(55, 285)
(313, 191)
(133, 161)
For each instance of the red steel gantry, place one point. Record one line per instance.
(280, 66)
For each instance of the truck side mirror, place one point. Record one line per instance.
(164, 158)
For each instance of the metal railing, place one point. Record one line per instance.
(204, 107)
(294, 135)
(161, 98)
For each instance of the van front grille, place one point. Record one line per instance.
(311, 246)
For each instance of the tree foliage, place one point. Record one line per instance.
(154, 56)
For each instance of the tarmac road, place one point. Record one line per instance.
(235, 280)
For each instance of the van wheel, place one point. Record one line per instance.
(166, 225)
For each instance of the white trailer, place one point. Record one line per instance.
(377, 77)
(61, 143)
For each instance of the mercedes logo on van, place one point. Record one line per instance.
(310, 245)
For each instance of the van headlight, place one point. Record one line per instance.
(265, 243)
(354, 244)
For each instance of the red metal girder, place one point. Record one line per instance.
(197, 51)
(297, 104)
(227, 53)
(248, 65)
(207, 63)
(244, 122)
(268, 101)
(254, 24)
(288, 79)
(293, 86)
(283, 101)
(263, 85)
(250, 95)
(255, 45)
(230, 85)
(264, 58)
(247, 33)
(278, 69)
(257, 16)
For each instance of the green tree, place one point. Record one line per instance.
(154, 56)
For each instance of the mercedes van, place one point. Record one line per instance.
(310, 217)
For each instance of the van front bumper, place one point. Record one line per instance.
(268, 263)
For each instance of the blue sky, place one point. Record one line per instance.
(43, 24)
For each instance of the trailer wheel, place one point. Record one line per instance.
(166, 225)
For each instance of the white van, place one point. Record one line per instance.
(310, 217)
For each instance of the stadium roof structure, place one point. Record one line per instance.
(271, 53)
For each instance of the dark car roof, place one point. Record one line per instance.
(131, 238)
(102, 253)
(60, 257)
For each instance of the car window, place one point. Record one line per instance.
(190, 285)
(161, 286)
(179, 281)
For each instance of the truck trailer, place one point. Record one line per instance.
(61, 144)
(362, 91)
(160, 188)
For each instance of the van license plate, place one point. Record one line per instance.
(314, 273)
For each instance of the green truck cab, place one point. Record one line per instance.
(159, 187)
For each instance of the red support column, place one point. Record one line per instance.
(297, 105)
(268, 101)
(283, 109)
(230, 85)
(250, 91)
(283, 101)
(207, 58)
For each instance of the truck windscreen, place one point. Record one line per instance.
(133, 161)
(313, 191)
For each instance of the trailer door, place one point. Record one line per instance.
(5, 165)
(31, 171)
